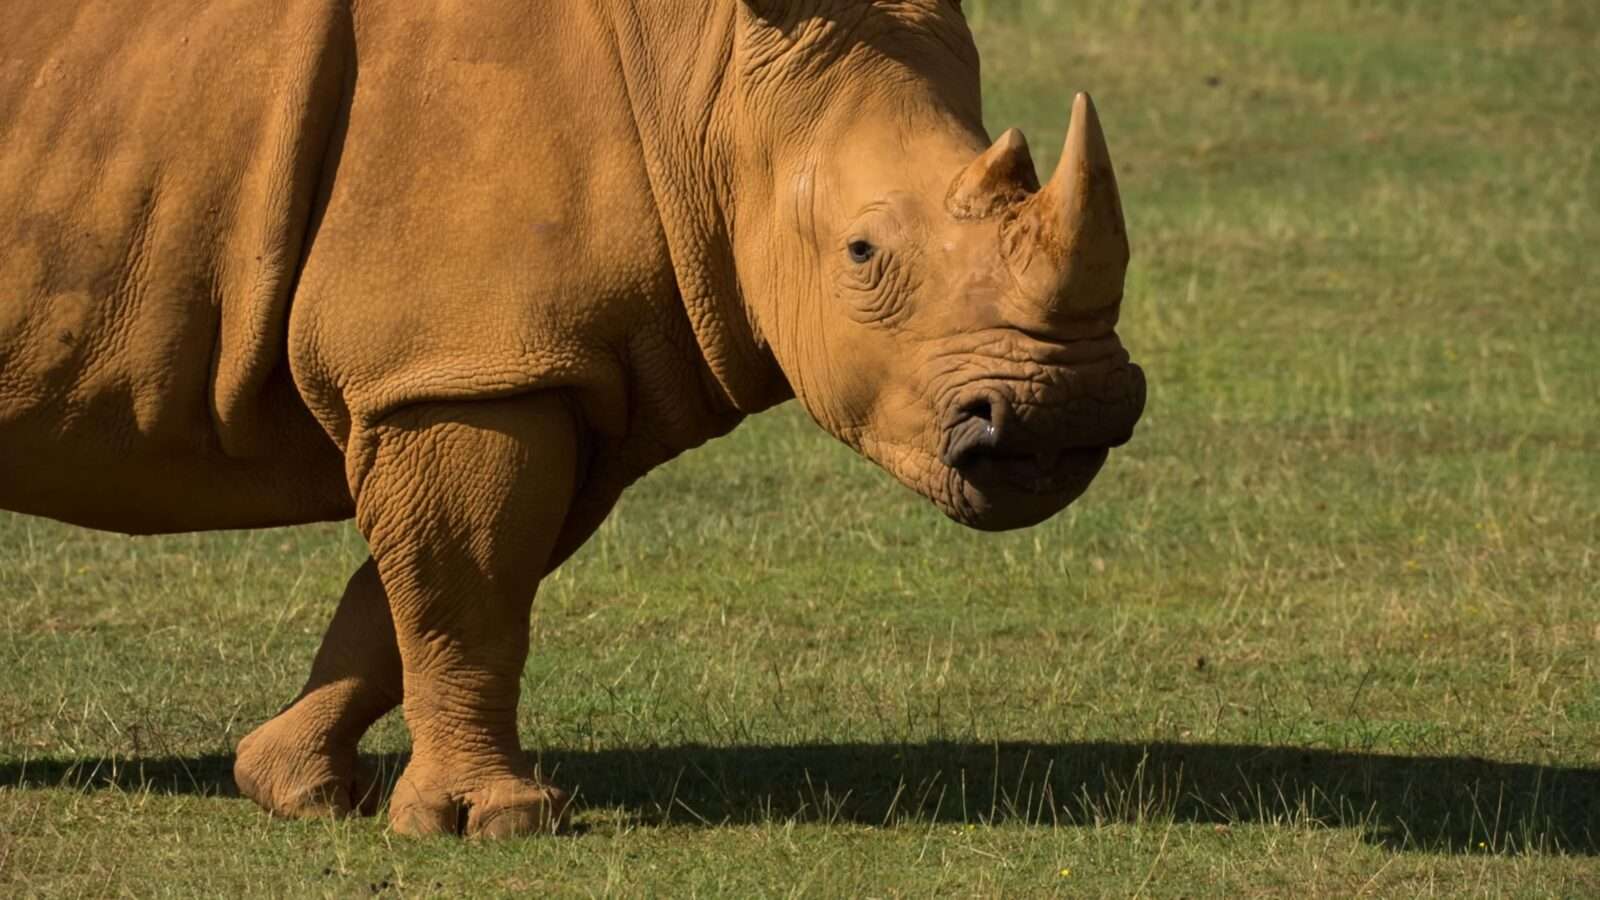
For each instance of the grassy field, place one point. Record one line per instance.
(1328, 626)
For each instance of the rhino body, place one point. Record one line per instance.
(464, 270)
(447, 209)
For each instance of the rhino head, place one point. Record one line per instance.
(928, 301)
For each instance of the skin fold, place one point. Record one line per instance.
(465, 270)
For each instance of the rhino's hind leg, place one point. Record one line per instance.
(462, 504)
(303, 761)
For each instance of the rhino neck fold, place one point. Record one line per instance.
(679, 98)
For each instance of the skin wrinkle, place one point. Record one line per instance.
(847, 25)
(834, 417)
(892, 270)
(699, 284)
(944, 490)
(1007, 347)
(806, 198)
(881, 302)
(1034, 399)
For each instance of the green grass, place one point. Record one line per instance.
(1328, 626)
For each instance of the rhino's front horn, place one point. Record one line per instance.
(1003, 174)
(1080, 227)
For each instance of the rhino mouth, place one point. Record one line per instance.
(1044, 472)
(1009, 464)
(1000, 494)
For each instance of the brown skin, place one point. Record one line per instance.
(275, 263)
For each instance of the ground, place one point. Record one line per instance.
(1328, 626)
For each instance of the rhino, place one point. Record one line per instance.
(463, 271)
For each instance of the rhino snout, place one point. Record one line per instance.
(1040, 454)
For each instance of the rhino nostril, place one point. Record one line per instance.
(981, 411)
(975, 429)
(991, 408)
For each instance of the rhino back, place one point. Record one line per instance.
(158, 165)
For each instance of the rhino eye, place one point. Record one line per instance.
(860, 251)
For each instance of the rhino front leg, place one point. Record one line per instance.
(461, 504)
(303, 761)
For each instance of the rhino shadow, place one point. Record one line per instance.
(1406, 803)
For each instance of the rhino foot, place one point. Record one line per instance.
(504, 807)
(276, 769)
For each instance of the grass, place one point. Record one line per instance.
(1328, 626)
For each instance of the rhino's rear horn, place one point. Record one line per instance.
(1080, 213)
(1003, 174)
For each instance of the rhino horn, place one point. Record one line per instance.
(1003, 174)
(1073, 247)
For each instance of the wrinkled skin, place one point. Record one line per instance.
(269, 263)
